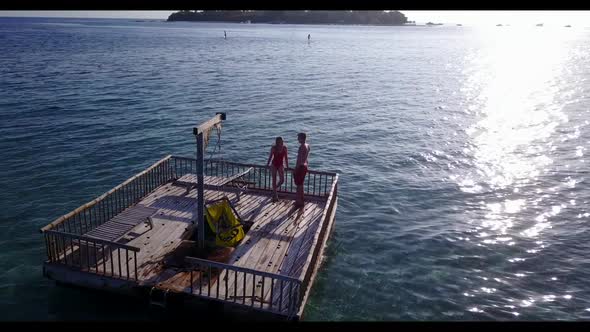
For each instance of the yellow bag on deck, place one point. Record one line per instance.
(224, 223)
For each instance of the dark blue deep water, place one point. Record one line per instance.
(464, 183)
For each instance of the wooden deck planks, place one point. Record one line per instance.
(172, 215)
(122, 223)
(271, 246)
(284, 246)
(284, 250)
(279, 241)
(255, 242)
(266, 248)
(215, 181)
(297, 248)
(153, 252)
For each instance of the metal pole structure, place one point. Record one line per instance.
(199, 132)
(200, 192)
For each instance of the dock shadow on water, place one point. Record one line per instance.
(71, 303)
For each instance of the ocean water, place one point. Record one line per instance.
(462, 153)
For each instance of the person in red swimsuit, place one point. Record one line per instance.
(301, 168)
(278, 154)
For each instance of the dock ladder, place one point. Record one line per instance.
(161, 300)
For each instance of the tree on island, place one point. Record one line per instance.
(364, 17)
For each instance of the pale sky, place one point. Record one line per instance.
(149, 14)
(512, 17)
(468, 17)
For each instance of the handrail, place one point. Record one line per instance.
(253, 165)
(95, 240)
(94, 213)
(316, 183)
(197, 261)
(103, 196)
(284, 291)
(307, 267)
(311, 263)
(92, 255)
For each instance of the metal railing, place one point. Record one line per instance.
(318, 239)
(64, 238)
(234, 284)
(98, 211)
(92, 255)
(316, 183)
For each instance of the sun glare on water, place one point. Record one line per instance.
(513, 89)
(513, 82)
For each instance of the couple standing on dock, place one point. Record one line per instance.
(278, 155)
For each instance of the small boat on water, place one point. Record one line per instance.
(188, 230)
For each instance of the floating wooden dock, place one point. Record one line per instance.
(138, 238)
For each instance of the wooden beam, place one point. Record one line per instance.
(200, 193)
(199, 131)
(203, 127)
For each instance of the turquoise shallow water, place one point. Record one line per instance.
(462, 153)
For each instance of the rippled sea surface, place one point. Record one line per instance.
(463, 153)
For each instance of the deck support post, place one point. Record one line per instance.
(199, 131)
(200, 193)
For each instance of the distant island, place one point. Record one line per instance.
(359, 17)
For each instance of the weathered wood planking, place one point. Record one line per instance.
(166, 235)
(277, 241)
(154, 245)
(243, 248)
(271, 220)
(269, 216)
(297, 249)
(280, 242)
(165, 238)
(284, 250)
(271, 245)
(122, 223)
(173, 206)
(172, 215)
(311, 217)
(215, 181)
(315, 267)
(307, 260)
(247, 254)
